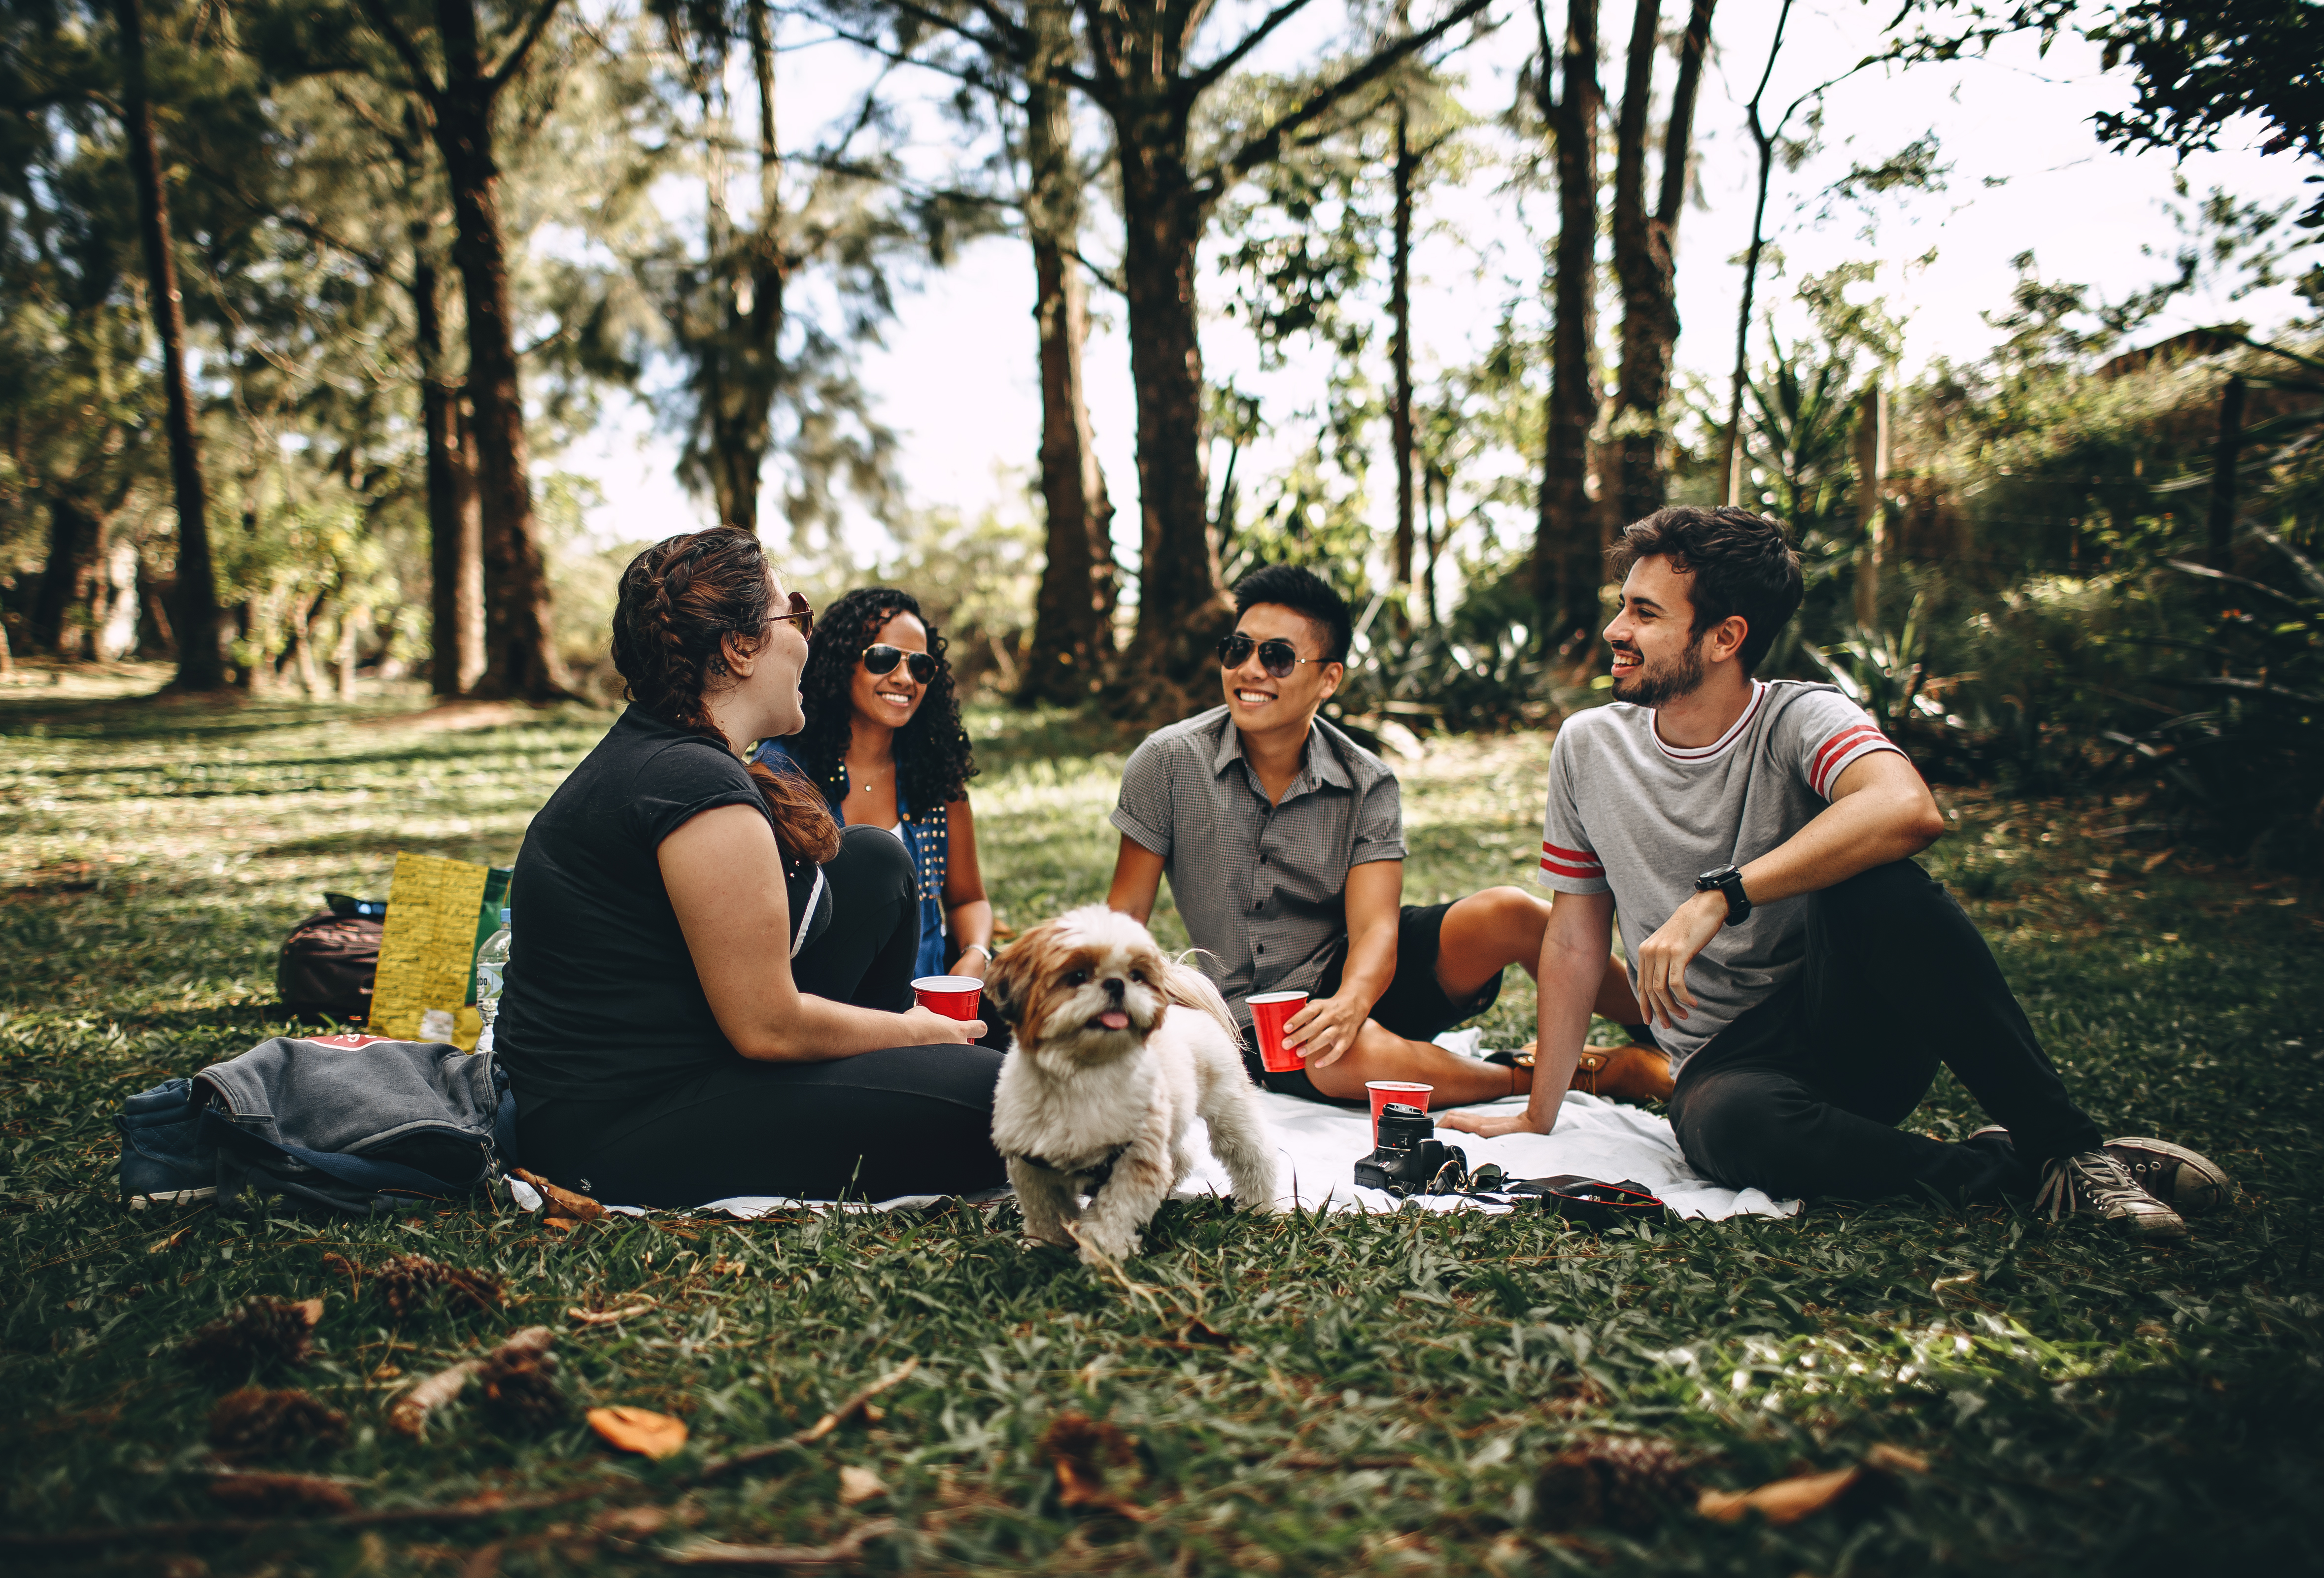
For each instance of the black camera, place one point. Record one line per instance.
(1410, 1159)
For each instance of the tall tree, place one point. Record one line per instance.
(1072, 627)
(1645, 251)
(1142, 76)
(201, 666)
(1567, 570)
(520, 659)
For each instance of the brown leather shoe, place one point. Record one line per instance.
(1624, 1073)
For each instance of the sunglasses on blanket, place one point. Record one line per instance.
(882, 658)
(1277, 657)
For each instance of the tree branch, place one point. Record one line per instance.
(1202, 81)
(422, 82)
(498, 78)
(1269, 142)
(1107, 88)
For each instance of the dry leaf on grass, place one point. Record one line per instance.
(857, 1485)
(563, 1202)
(1805, 1495)
(409, 1414)
(288, 1494)
(639, 1430)
(608, 1316)
(845, 1552)
(1082, 1450)
(1198, 1333)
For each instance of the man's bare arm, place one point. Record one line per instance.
(1327, 1027)
(1137, 880)
(1574, 948)
(1880, 811)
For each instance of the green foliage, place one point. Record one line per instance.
(1394, 1383)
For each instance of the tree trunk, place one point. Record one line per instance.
(455, 528)
(1399, 310)
(519, 658)
(1732, 461)
(1181, 608)
(1072, 626)
(1645, 250)
(1567, 566)
(74, 533)
(200, 666)
(2219, 548)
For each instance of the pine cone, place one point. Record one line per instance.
(264, 1331)
(408, 1279)
(1624, 1482)
(521, 1392)
(254, 1423)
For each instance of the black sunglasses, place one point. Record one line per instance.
(882, 658)
(801, 611)
(1277, 657)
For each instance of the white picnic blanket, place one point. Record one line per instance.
(1317, 1147)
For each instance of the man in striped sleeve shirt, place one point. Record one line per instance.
(1807, 977)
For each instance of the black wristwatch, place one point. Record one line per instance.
(1729, 881)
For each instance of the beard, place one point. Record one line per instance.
(1657, 684)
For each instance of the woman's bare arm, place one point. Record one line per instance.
(724, 877)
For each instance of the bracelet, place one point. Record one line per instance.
(989, 955)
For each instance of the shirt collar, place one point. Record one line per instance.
(1321, 762)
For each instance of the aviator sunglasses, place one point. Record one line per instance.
(882, 658)
(1277, 657)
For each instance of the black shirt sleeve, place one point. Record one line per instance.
(680, 782)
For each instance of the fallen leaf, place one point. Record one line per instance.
(639, 1430)
(558, 1224)
(1784, 1501)
(409, 1414)
(264, 1493)
(1082, 1449)
(1896, 1459)
(2148, 865)
(607, 1317)
(858, 1485)
(580, 1208)
(845, 1552)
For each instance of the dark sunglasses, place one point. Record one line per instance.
(882, 658)
(802, 612)
(1277, 657)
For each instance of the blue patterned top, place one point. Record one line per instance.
(925, 836)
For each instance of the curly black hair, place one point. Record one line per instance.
(933, 756)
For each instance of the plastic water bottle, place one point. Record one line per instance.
(492, 971)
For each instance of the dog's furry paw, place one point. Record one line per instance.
(1097, 1251)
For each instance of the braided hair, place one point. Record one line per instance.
(679, 600)
(933, 757)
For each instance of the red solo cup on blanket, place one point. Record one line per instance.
(954, 996)
(1269, 1012)
(1384, 1091)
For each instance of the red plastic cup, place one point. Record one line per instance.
(1269, 1012)
(954, 996)
(1384, 1091)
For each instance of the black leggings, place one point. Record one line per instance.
(905, 1121)
(1802, 1094)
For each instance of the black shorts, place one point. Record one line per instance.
(1413, 1006)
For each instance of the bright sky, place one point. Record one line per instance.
(956, 376)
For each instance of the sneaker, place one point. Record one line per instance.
(2092, 1183)
(2189, 1183)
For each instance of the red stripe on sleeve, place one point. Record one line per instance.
(1839, 747)
(1577, 857)
(1578, 873)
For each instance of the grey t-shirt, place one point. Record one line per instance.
(1633, 816)
(1262, 887)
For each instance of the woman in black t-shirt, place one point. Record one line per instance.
(710, 992)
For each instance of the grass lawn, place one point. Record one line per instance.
(1389, 1389)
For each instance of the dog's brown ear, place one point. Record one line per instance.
(1009, 980)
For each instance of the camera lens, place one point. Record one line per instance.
(1402, 1127)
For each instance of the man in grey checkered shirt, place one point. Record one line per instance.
(1284, 842)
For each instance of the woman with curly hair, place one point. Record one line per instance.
(710, 993)
(884, 743)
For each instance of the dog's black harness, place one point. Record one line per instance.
(1098, 1173)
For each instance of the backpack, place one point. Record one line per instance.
(327, 962)
(357, 1122)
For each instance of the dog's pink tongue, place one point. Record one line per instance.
(1114, 1019)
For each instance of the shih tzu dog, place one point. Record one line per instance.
(1117, 1050)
